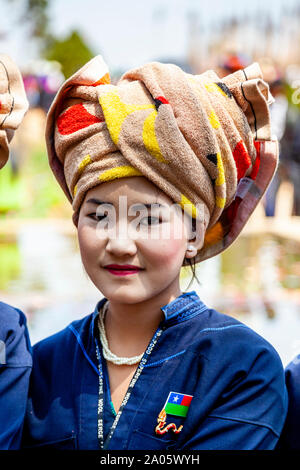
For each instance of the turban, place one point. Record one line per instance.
(13, 104)
(200, 139)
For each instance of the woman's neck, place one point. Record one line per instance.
(130, 327)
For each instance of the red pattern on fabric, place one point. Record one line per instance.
(186, 401)
(257, 161)
(162, 99)
(242, 159)
(232, 209)
(74, 119)
(105, 80)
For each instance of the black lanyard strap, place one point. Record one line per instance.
(100, 399)
(142, 363)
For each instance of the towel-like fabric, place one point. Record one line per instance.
(13, 103)
(200, 139)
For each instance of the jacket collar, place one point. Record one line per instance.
(184, 307)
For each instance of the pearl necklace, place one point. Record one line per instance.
(110, 356)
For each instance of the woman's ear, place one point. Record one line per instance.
(196, 238)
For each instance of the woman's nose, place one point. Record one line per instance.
(121, 243)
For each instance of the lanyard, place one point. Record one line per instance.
(142, 363)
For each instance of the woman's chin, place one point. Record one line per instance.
(123, 294)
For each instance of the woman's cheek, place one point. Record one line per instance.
(89, 243)
(166, 253)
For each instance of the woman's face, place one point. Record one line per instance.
(153, 239)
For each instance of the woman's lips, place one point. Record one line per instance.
(118, 271)
(122, 272)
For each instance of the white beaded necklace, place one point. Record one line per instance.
(110, 356)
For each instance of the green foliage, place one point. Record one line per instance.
(43, 192)
(34, 13)
(10, 264)
(34, 192)
(11, 190)
(289, 93)
(71, 52)
(37, 12)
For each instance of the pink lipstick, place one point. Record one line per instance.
(122, 269)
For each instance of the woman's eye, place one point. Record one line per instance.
(150, 220)
(98, 217)
(146, 221)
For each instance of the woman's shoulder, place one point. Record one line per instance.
(64, 340)
(226, 336)
(14, 337)
(12, 319)
(214, 322)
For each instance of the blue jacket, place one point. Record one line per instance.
(290, 438)
(15, 368)
(235, 377)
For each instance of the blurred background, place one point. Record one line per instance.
(256, 280)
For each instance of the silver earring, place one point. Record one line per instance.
(191, 249)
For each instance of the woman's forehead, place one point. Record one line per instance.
(137, 189)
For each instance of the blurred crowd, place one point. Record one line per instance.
(41, 80)
(285, 124)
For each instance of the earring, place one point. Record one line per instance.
(192, 250)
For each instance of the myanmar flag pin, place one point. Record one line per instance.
(177, 404)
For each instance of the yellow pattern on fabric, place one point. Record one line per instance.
(190, 208)
(213, 119)
(221, 175)
(119, 172)
(84, 162)
(220, 202)
(115, 112)
(87, 159)
(212, 87)
(149, 137)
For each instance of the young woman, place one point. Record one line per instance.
(15, 351)
(162, 171)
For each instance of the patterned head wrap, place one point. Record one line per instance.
(200, 139)
(13, 104)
